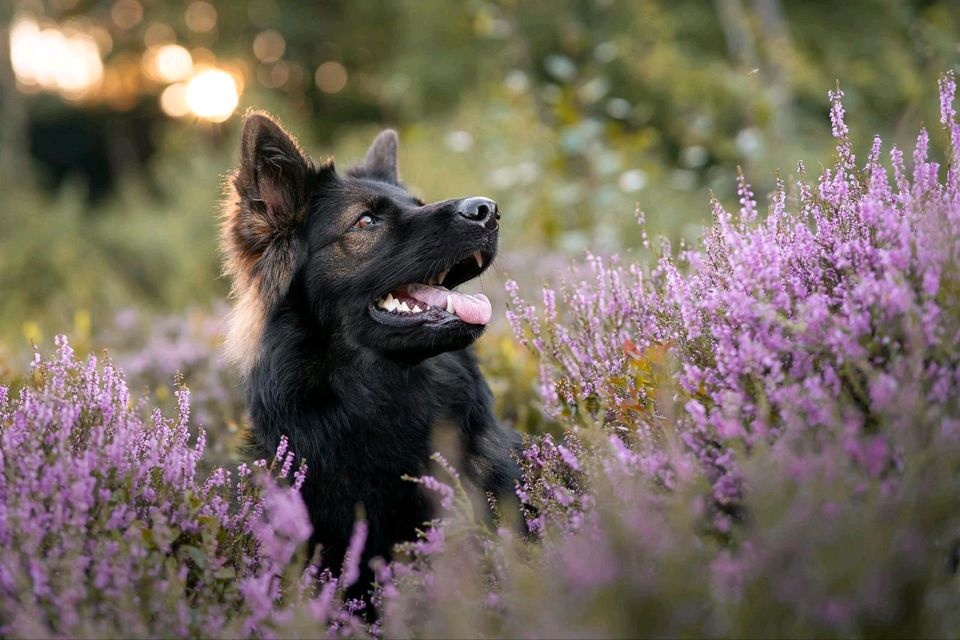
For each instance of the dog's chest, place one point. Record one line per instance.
(392, 418)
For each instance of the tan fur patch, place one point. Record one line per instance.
(245, 322)
(252, 294)
(258, 236)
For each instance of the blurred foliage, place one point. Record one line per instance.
(573, 114)
(152, 250)
(512, 373)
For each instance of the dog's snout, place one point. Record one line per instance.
(480, 210)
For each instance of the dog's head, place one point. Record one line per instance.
(365, 258)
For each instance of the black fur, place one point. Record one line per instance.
(362, 401)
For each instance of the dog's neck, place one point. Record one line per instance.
(309, 378)
(301, 355)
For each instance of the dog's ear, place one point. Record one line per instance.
(381, 160)
(273, 188)
(274, 173)
(263, 213)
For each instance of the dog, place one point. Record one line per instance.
(351, 338)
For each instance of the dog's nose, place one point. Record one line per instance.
(481, 210)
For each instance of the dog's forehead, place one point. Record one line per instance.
(365, 189)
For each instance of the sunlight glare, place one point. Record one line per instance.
(168, 63)
(54, 60)
(212, 95)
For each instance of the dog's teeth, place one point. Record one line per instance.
(416, 309)
(441, 276)
(479, 259)
(403, 307)
(449, 304)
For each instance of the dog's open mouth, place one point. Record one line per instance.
(434, 300)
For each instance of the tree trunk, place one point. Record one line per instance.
(777, 47)
(13, 115)
(736, 31)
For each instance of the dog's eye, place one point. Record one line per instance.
(364, 221)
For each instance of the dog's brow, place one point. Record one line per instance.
(379, 202)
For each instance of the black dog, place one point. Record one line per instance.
(350, 336)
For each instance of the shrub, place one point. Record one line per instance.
(762, 438)
(830, 318)
(106, 529)
(803, 366)
(153, 349)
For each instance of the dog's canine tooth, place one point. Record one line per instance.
(440, 277)
(449, 304)
(479, 258)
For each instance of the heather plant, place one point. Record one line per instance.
(813, 318)
(107, 529)
(760, 437)
(153, 349)
(802, 369)
(826, 551)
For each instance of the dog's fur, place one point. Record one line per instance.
(361, 400)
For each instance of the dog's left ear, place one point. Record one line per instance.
(381, 160)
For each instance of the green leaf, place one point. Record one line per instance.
(225, 573)
(195, 554)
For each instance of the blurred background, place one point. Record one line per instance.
(120, 118)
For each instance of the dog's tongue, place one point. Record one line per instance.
(472, 309)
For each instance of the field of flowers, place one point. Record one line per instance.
(760, 436)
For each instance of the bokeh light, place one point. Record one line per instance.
(203, 57)
(173, 100)
(126, 14)
(212, 94)
(67, 61)
(274, 76)
(331, 77)
(168, 63)
(269, 46)
(158, 33)
(200, 16)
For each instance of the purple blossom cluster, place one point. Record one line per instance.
(108, 529)
(761, 434)
(762, 439)
(152, 350)
(835, 311)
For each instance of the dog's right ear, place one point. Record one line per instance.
(270, 198)
(273, 186)
(272, 180)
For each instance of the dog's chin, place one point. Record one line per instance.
(419, 337)
(429, 318)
